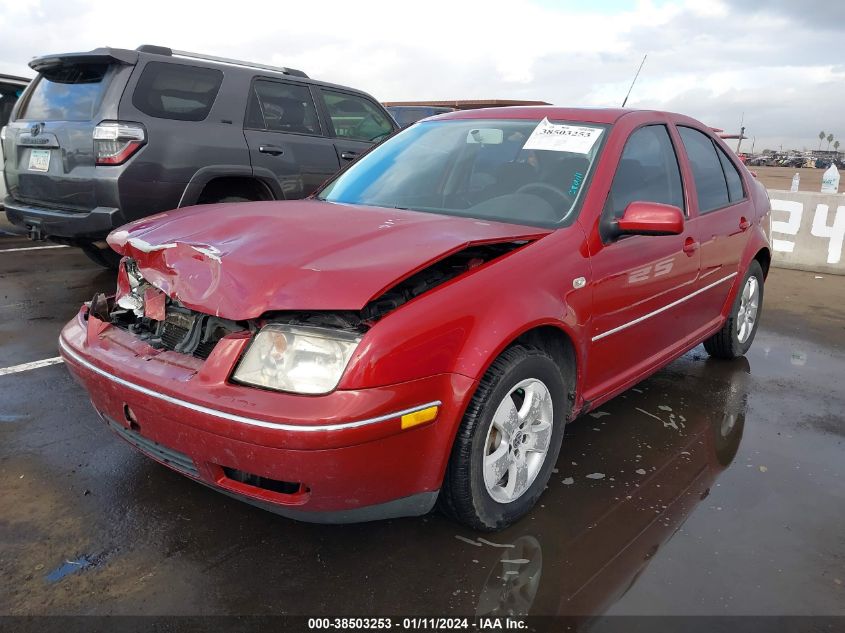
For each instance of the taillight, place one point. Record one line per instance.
(115, 142)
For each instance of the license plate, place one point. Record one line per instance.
(39, 160)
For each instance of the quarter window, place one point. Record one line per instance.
(710, 183)
(732, 177)
(282, 107)
(354, 117)
(648, 171)
(176, 91)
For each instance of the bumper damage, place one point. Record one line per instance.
(339, 458)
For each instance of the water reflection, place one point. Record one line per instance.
(602, 545)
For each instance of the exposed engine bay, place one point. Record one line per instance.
(164, 323)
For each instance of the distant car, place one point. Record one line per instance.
(408, 115)
(112, 135)
(424, 328)
(11, 88)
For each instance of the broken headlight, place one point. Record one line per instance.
(297, 359)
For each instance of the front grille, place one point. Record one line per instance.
(175, 459)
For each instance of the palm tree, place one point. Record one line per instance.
(836, 147)
(821, 138)
(829, 141)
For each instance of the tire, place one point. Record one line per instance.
(104, 257)
(226, 199)
(728, 342)
(465, 495)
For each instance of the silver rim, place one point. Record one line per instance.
(518, 440)
(748, 305)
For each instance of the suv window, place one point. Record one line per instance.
(710, 181)
(732, 176)
(354, 117)
(67, 93)
(176, 91)
(648, 171)
(9, 94)
(282, 107)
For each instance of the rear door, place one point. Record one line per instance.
(356, 122)
(49, 144)
(285, 136)
(724, 213)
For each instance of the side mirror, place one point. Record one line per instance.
(650, 218)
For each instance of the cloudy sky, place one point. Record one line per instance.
(778, 62)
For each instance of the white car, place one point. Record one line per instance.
(10, 89)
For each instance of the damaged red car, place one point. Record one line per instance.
(421, 330)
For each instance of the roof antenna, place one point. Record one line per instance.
(635, 80)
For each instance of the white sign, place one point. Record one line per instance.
(577, 139)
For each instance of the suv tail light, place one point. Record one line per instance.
(115, 142)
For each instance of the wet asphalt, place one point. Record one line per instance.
(711, 488)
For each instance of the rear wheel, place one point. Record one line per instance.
(104, 257)
(508, 441)
(737, 334)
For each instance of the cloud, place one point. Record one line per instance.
(773, 63)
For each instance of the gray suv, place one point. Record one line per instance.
(112, 135)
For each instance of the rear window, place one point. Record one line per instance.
(66, 93)
(176, 91)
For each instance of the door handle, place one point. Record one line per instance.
(273, 150)
(349, 155)
(744, 224)
(690, 246)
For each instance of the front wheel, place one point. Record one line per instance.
(508, 441)
(737, 334)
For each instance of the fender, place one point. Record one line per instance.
(205, 175)
(463, 325)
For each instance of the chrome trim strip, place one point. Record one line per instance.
(239, 418)
(663, 309)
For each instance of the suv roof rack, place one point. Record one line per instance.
(163, 50)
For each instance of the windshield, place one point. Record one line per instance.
(520, 171)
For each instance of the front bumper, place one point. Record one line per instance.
(94, 224)
(344, 455)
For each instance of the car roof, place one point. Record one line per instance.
(588, 115)
(127, 56)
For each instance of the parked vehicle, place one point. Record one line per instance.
(425, 326)
(408, 115)
(11, 88)
(112, 135)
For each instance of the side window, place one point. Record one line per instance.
(706, 169)
(734, 180)
(282, 107)
(356, 118)
(648, 171)
(176, 91)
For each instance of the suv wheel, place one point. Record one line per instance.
(104, 257)
(508, 442)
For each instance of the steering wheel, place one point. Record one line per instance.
(543, 190)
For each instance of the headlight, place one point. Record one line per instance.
(297, 359)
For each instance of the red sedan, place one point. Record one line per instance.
(422, 329)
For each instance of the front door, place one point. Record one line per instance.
(640, 282)
(286, 139)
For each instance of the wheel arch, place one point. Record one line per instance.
(232, 175)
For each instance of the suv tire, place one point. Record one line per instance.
(104, 257)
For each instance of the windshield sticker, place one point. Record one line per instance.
(577, 139)
(577, 179)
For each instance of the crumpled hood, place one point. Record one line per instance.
(238, 261)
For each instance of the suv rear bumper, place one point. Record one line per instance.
(95, 224)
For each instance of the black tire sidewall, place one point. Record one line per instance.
(542, 368)
(754, 270)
